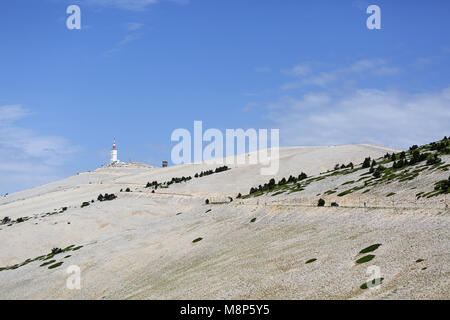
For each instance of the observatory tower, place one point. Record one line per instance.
(114, 153)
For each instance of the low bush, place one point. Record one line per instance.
(85, 204)
(56, 251)
(5, 220)
(433, 159)
(321, 203)
(366, 163)
(443, 185)
(365, 259)
(106, 197)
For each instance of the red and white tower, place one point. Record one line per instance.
(114, 153)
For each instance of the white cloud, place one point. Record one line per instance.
(361, 69)
(27, 159)
(251, 105)
(130, 37)
(388, 118)
(133, 26)
(12, 113)
(299, 70)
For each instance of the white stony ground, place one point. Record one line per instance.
(139, 246)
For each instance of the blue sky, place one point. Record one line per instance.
(138, 69)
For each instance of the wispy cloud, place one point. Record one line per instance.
(251, 105)
(299, 70)
(127, 39)
(132, 34)
(361, 69)
(27, 158)
(384, 117)
(133, 26)
(12, 113)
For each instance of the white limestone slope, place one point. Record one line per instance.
(140, 244)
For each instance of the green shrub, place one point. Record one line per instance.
(47, 263)
(321, 203)
(372, 283)
(443, 185)
(302, 176)
(366, 163)
(370, 248)
(5, 220)
(390, 194)
(56, 251)
(365, 259)
(55, 265)
(106, 197)
(433, 159)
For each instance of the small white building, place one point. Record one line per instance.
(114, 154)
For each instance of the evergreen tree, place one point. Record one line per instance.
(366, 163)
(302, 176)
(321, 203)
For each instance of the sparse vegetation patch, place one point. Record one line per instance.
(53, 266)
(365, 259)
(371, 284)
(46, 259)
(370, 248)
(106, 197)
(390, 194)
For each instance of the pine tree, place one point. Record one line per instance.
(366, 163)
